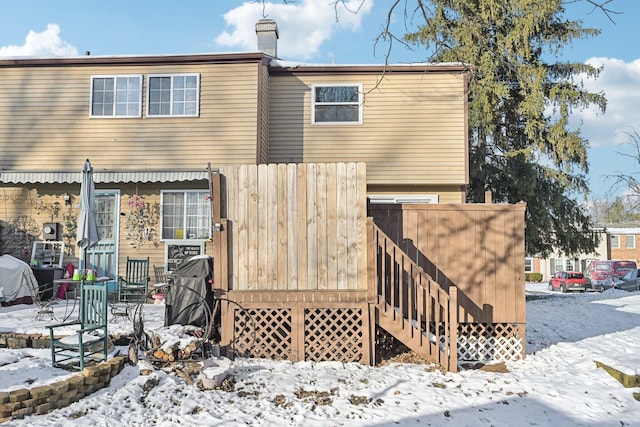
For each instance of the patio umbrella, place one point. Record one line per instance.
(88, 234)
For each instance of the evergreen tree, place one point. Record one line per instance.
(521, 147)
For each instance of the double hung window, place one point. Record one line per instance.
(630, 241)
(116, 96)
(173, 95)
(615, 241)
(186, 214)
(528, 265)
(336, 104)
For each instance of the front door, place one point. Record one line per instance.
(103, 257)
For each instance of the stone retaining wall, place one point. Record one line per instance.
(40, 400)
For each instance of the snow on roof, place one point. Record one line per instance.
(296, 64)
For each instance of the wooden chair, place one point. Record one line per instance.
(161, 276)
(133, 287)
(160, 287)
(89, 343)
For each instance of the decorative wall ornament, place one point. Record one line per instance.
(70, 226)
(140, 222)
(52, 209)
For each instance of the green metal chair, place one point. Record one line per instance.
(89, 343)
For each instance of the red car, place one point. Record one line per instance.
(564, 281)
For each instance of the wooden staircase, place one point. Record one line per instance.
(410, 305)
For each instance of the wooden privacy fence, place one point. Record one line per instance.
(296, 276)
(296, 226)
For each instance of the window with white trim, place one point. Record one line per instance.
(563, 264)
(630, 241)
(336, 104)
(173, 95)
(615, 241)
(116, 96)
(528, 265)
(185, 214)
(402, 198)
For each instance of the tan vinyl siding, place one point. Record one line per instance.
(44, 111)
(413, 131)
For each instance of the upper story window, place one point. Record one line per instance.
(186, 214)
(336, 104)
(116, 96)
(630, 241)
(173, 95)
(615, 241)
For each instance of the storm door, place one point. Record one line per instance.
(103, 257)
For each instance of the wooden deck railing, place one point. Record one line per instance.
(425, 313)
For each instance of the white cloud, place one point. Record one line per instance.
(619, 81)
(303, 26)
(46, 43)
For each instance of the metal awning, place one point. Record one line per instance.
(103, 176)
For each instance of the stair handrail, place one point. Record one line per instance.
(404, 290)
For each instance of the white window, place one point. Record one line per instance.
(336, 104)
(615, 241)
(186, 214)
(402, 198)
(173, 95)
(116, 96)
(528, 265)
(630, 241)
(563, 264)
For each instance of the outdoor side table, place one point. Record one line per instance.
(80, 283)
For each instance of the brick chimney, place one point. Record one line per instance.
(267, 32)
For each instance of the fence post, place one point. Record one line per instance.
(371, 262)
(453, 328)
(372, 288)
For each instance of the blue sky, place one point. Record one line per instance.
(314, 31)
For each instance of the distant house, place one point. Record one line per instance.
(154, 126)
(623, 240)
(617, 241)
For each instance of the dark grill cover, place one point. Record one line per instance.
(190, 292)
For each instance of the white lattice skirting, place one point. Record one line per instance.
(480, 348)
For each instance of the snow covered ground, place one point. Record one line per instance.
(557, 384)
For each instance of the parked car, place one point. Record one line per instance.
(602, 274)
(630, 281)
(564, 281)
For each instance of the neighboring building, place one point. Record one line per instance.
(617, 241)
(623, 240)
(154, 126)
